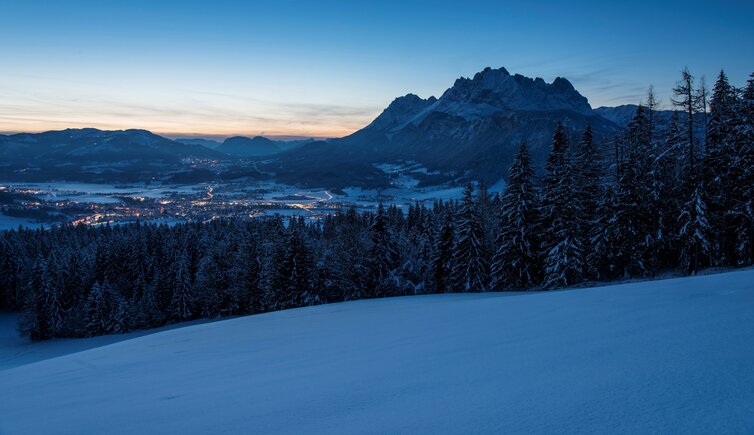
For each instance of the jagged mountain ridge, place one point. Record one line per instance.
(471, 131)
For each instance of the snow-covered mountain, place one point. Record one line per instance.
(489, 92)
(473, 129)
(671, 356)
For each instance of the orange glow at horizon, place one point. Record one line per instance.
(198, 128)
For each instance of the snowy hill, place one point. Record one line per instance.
(672, 356)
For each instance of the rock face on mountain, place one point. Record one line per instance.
(471, 131)
(241, 146)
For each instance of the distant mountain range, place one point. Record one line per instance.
(94, 155)
(470, 132)
(622, 115)
(242, 146)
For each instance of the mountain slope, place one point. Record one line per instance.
(94, 155)
(241, 146)
(670, 356)
(472, 130)
(211, 144)
(92, 145)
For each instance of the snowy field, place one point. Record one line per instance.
(17, 351)
(671, 356)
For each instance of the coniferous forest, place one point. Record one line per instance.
(645, 202)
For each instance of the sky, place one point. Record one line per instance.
(326, 68)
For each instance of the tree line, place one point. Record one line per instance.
(643, 202)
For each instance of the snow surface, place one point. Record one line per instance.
(671, 356)
(17, 351)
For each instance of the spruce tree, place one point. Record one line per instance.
(183, 296)
(442, 255)
(470, 264)
(515, 264)
(298, 270)
(100, 310)
(382, 257)
(588, 190)
(743, 175)
(719, 171)
(563, 249)
(694, 233)
(636, 220)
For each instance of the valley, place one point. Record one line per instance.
(40, 204)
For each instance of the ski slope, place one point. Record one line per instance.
(671, 356)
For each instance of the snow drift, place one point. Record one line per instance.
(672, 356)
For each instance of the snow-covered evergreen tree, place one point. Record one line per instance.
(562, 240)
(298, 268)
(588, 189)
(183, 296)
(515, 264)
(382, 256)
(695, 233)
(101, 307)
(742, 209)
(442, 256)
(635, 215)
(719, 171)
(470, 264)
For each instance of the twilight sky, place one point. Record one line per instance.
(327, 68)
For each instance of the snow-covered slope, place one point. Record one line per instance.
(671, 356)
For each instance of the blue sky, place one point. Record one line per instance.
(326, 68)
